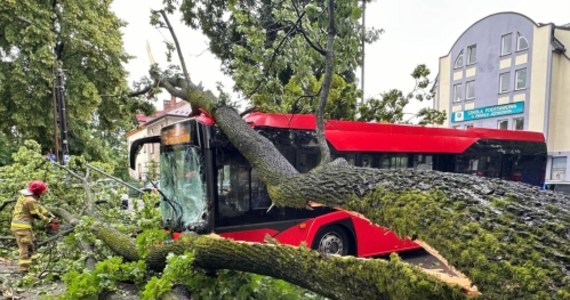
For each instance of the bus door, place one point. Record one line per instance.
(479, 165)
(525, 168)
(242, 202)
(241, 197)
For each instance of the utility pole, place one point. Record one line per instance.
(59, 113)
(60, 110)
(55, 122)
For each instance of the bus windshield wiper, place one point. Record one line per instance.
(177, 214)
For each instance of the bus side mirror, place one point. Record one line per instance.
(137, 145)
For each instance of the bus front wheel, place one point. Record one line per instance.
(332, 240)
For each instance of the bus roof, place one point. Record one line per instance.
(387, 137)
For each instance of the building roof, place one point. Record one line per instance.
(492, 16)
(171, 107)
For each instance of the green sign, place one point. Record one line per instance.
(488, 112)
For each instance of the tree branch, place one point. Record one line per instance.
(180, 56)
(275, 51)
(305, 36)
(335, 277)
(323, 98)
(6, 202)
(187, 91)
(142, 91)
(55, 237)
(90, 261)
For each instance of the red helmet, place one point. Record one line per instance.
(37, 187)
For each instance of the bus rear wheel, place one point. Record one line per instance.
(332, 240)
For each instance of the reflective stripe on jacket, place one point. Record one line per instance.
(20, 224)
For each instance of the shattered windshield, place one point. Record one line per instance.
(183, 185)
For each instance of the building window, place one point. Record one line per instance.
(506, 44)
(522, 42)
(504, 80)
(151, 148)
(558, 168)
(503, 124)
(467, 126)
(520, 79)
(459, 60)
(470, 90)
(471, 54)
(518, 123)
(457, 92)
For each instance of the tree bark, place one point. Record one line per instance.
(509, 238)
(120, 244)
(334, 277)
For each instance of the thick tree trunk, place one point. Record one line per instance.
(508, 238)
(334, 277)
(121, 244)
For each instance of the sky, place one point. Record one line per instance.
(415, 32)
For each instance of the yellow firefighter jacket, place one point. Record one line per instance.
(27, 208)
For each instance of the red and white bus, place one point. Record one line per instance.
(208, 186)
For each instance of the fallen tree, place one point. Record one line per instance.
(334, 277)
(510, 239)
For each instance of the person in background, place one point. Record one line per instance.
(26, 210)
(50, 156)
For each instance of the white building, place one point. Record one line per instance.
(506, 71)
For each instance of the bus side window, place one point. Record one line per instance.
(400, 162)
(289, 154)
(423, 162)
(385, 162)
(394, 161)
(372, 160)
(351, 159)
(467, 164)
(367, 160)
(233, 186)
(259, 196)
(307, 160)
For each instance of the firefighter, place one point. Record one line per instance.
(27, 208)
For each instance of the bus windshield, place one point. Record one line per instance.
(183, 185)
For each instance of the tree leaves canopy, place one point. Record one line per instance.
(84, 38)
(274, 50)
